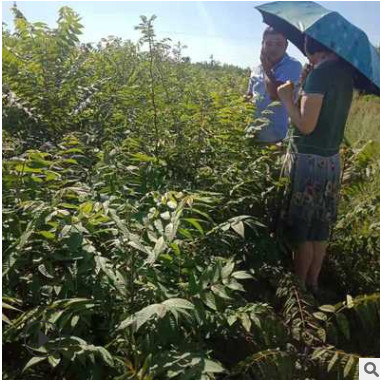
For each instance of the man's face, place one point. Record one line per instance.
(274, 46)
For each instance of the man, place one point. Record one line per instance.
(276, 68)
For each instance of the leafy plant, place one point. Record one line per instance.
(138, 217)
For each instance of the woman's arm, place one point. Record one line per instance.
(305, 118)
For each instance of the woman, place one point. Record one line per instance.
(313, 159)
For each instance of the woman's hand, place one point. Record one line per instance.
(285, 92)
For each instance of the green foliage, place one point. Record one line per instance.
(137, 217)
(298, 313)
(358, 230)
(336, 364)
(348, 322)
(363, 123)
(268, 364)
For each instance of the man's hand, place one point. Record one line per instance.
(266, 62)
(247, 97)
(285, 92)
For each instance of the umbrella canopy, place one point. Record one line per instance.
(295, 19)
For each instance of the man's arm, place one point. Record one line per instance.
(250, 90)
(272, 84)
(248, 96)
(250, 86)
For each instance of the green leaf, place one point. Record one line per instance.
(86, 207)
(116, 277)
(165, 215)
(231, 319)
(205, 215)
(26, 235)
(212, 367)
(69, 206)
(321, 316)
(47, 234)
(245, 321)
(42, 269)
(119, 223)
(234, 285)
(220, 291)
(185, 233)
(318, 352)
(6, 319)
(57, 289)
(158, 224)
(159, 247)
(10, 307)
(242, 275)
(170, 231)
(33, 361)
(74, 320)
(26, 169)
(227, 269)
(142, 316)
(37, 179)
(332, 362)
(209, 299)
(275, 103)
(178, 303)
(327, 308)
(74, 241)
(143, 157)
(72, 150)
(172, 204)
(148, 312)
(54, 361)
(175, 248)
(140, 247)
(238, 228)
(194, 222)
(106, 356)
(350, 302)
(51, 176)
(70, 161)
(348, 366)
(321, 333)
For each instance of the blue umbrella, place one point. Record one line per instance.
(295, 19)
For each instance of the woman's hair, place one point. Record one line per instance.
(313, 46)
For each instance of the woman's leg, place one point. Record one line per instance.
(319, 253)
(302, 260)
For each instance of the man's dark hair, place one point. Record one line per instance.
(313, 46)
(271, 30)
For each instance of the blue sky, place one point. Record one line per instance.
(230, 30)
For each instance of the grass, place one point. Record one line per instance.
(363, 123)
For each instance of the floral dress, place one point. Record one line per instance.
(310, 202)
